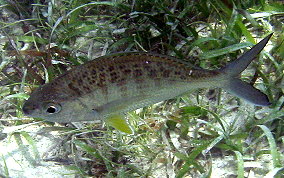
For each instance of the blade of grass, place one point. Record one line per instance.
(24, 150)
(108, 3)
(189, 160)
(94, 152)
(32, 39)
(58, 21)
(207, 174)
(90, 150)
(23, 96)
(220, 6)
(212, 144)
(218, 119)
(274, 114)
(266, 82)
(249, 17)
(31, 141)
(199, 41)
(6, 170)
(231, 24)
(240, 161)
(272, 144)
(275, 173)
(222, 51)
(5, 61)
(245, 31)
(81, 30)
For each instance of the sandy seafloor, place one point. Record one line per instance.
(23, 162)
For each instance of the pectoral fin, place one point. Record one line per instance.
(118, 122)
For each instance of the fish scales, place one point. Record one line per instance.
(121, 70)
(119, 83)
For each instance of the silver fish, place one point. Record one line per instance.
(118, 83)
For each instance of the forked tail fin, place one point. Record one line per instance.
(244, 90)
(240, 88)
(235, 67)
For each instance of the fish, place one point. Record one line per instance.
(109, 86)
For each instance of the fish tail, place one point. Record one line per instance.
(240, 88)
(244, 90)
(234, 68)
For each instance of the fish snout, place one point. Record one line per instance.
(28, 109)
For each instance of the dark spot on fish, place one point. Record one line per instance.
(73, 88)
(127, 71)
(152, 73)
(122, 67)
(159, 64)
(114, 77)
(113, 80)
(166, 73)
(139, 80)
(101, 84)
(102, 76)
(162, 68)
(94, 72)
(84, 76)
(121, 82)
(213, 73)
(110, 68)
(89, 79)
(136, 65)
(164, 58)
(80, 81)
(58, 82)
(147, 67)
(87, 88)
(102, 80)
(137, 73)
(177, 73)
(93, 77)
(93, 81)
(113, 74)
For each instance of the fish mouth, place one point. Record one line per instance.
(28, 109)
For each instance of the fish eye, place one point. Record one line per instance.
(52, 108)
